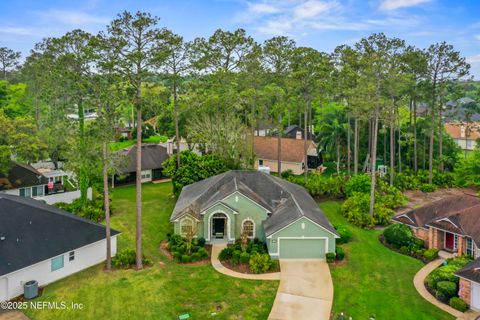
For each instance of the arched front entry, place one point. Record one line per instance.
(219, 226)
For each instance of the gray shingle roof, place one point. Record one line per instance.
(21, 176)
(34, 231)
(153, 155)
(471, 271)
(285, 201)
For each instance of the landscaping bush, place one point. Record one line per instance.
(195, 257)
(320, 185)
(201, 241)
(287, 173)
(359, 183)
(330, 256)
(275, 266)
(226, 253)
(458, 304)
(428, 187)
(446, 290)
(186, 259)
(92, 209)
(260, 263)
(244, 257)
(356, 210)
(339, 253)
(431, 254)
(398, 235)
(344, 232)
(236, 257)
(203, 253)
(126, 259)
(177, 256)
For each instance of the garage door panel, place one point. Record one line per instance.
(475, 295)
(302, 248)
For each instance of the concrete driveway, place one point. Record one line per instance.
(305, 291)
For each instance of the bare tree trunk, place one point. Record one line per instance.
(374, 160)
(305, 173)
(430, 150)
(399, 147)
(355, 147)
(369, 136)
(175, 114)
(349, 157)
(392, 148)
(279, 147)
(385, 146)
(338, 157)
(440, 138)
(106, 204)
(138, 183)
(415, 156)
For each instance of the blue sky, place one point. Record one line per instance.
(321, 24)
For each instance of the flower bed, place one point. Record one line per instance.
(187, 251)
(248, 257)
(443, 284)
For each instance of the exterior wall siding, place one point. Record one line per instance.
(295, 230)
(464, 291)
(273, 165)
(85, 257)
(421, 234)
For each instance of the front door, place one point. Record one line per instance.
(449, 240)
(218, 230)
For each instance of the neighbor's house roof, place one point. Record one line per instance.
(285, 202)
(34, 231)
(471, 271)
(291, 132)
(292, 149)
(152, 121)
(153, 155)
(21, 176)
(449, 206)
(455, 130)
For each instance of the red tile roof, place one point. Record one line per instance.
(292, 149)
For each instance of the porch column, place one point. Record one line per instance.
(460, 245)
(430, 238)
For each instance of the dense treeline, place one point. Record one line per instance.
(362, 100)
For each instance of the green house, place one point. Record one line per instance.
(277, 212)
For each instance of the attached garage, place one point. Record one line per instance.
(475, 296)
(301, 239)
(302, 248)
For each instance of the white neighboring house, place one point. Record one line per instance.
(47, 185)
(43, 243)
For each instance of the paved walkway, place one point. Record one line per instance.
(419, 282)
(13, 315)
(216, 248)
(305, 291)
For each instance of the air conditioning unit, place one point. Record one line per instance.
(264, 169)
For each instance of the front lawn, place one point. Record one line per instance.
(376, 281)
(163, 291)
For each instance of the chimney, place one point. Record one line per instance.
(298, 135)
(462, 131)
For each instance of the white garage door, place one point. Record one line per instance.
(3, 289)
(475, 296)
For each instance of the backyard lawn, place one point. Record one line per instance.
(162, 291)
(376, 281)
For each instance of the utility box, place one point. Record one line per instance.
(30, 289)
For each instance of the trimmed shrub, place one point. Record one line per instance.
(175, 240)
(177, 256)
(356, 209)
(428, 187)
(398, 235)
(275, 265)
(203, 253)
(244, 257)
(195, 257)
(360, 183)
(446, 289)
(186, 259)
(236, 257)
(126, 259)
(287, 173)
(431, 254)
(330, 256)
(344, 232)
(260, 263)
(226, 253)
(339, 253)
(458, 304)
(201, 241)
(404, 250)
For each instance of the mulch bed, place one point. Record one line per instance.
(241, 268)
(416, 256)
(168, 254)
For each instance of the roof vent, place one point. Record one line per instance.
(2, 238)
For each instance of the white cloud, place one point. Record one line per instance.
(263, 8)
(72, 18)
(313, 8)
(477, 37)
(475, 59)
(388, 5)
(17, 31)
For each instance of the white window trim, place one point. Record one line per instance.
(472, 247)
(182, 222)
(304, 217)
(209, 228)
(254, 226)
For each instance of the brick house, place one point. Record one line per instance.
(452, 224)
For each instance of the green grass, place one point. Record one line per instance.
(162, 291)
(115, 146)
(375, 280)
